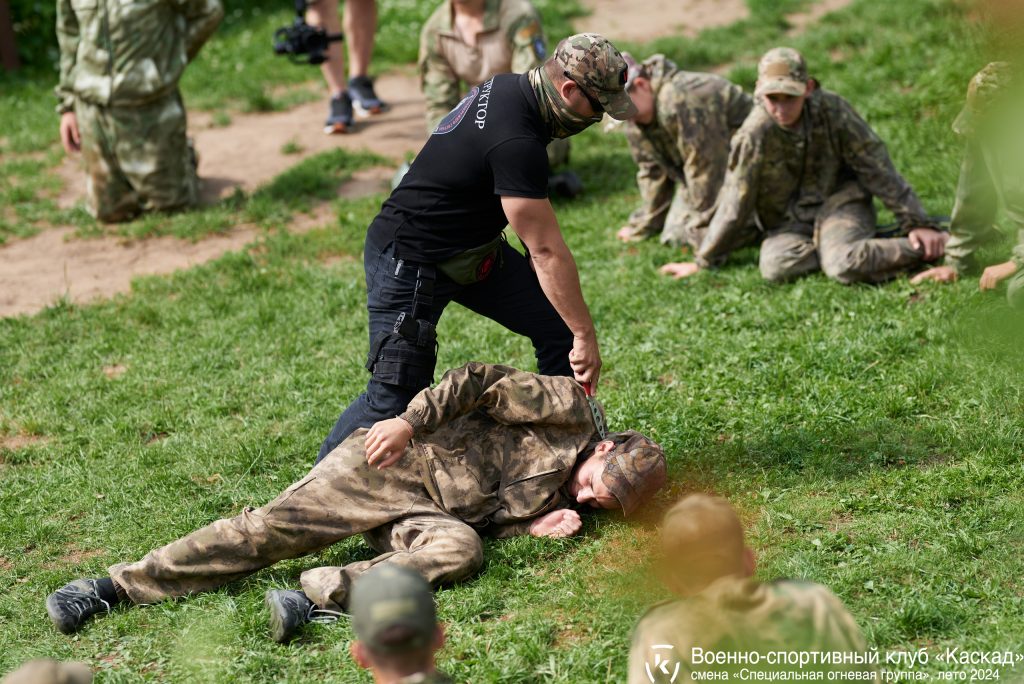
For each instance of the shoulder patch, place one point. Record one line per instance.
(458, 113)
(539, 49)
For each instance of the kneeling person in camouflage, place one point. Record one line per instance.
(489, 451)
(806, 167)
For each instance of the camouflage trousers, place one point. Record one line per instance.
(340, 497)
(684, 226)
(841, 243)
(137, 158)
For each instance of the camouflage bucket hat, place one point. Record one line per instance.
(634, 470)
(393, 609)
(984, 88)
(783, 71)
(597, 67)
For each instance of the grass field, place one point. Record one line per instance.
(870, 436)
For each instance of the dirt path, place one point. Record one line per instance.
(642, 20)
(38, 271)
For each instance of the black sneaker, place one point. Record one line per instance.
(360, 89)
(73, 604)
(339, 118)
(290, 610)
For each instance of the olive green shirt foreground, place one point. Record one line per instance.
(791, 181)
(128, 53)
(991, 173)
(492, 450)
(682, 155)
(740, 616)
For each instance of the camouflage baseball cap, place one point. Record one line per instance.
(984, 88)
(597, 67)
(392, 609)
(701, 540)
(47, 671)
(782, 70)
(634, 469)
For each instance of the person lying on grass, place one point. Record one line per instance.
(490, 450)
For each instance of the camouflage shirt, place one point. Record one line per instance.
(782, 177)
(128, 53)
(687, 143)
(992, 170)
(497, 444)
(511, 41)
(742, 616)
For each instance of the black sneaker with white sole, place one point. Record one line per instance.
(72, 605)
(290, 610)
(339, 115)
(360, 89)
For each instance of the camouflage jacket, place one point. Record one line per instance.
(782, 177)
(687, 143)
(992, 170)
(511, 41)
(742, 615)
(128, 53)
(497, 444)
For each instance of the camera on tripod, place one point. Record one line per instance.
(301, 42)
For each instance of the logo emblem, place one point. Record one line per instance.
(659, 669)
(455, 117)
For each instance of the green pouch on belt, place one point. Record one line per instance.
(475, 264)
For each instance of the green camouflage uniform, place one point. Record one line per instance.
(512, 41)
(683, 153)
(120, 63)
(492, 449)
(992, 172)
(810, 190)
(736, 615)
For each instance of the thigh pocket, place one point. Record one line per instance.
(395, 360)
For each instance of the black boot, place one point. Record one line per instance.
(73, 604)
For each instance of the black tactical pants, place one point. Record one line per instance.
(405, 301)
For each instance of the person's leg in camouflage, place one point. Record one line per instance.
(440, 547)
(155, 156)
(1015, 290)
(850, 252)
(109, 196)
(788, 253)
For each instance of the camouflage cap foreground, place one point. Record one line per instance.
(393, 609)
(47, 671)
(594, 64)
(994, 80)
(783, 71)
(634, 470)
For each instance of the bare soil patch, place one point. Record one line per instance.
(643, 20)
(16, 442)
(801, 20)
(74, 557)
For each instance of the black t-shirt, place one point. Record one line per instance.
(492, 144)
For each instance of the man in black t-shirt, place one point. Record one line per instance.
(438, 238)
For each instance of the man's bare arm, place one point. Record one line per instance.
(534, 222)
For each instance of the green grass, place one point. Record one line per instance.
(870, 436)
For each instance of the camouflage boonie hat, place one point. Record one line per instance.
(597, 67)
(984, 88)
(633, 470)
(701, 540)
(781, 70)
(392, 609)
(47, 671)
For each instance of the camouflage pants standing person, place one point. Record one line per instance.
(842, 244)
(137, 158)
(341, 497)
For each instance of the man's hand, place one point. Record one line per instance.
(993, 275)
(940, 274)
(679, 270)
(930, 241)
(585, 360)
(386, 442)
(626, 234)
(561, 523)
(69, 135)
